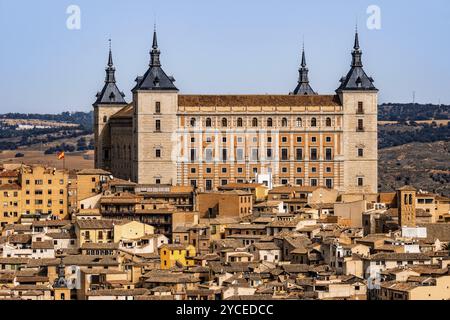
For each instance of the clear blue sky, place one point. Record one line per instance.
(250, 46)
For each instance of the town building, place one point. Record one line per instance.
(164, 137)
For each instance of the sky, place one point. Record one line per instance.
(211, 46)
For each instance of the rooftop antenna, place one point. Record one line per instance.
(414, 97)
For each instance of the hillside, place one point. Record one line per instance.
(424, 165)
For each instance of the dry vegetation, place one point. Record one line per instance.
(423, 165)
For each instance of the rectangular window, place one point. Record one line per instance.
(269, 153)
(313, 154)
(299, 139)
(360, 182)
(193, 155)
(158, 125)
(157, 107)
(299, 154)
(360, 125)
(255, 155)
(360, 109)
(158, 153)
(224, 182)
(194, 183)
(360, 152)
(240, 170)
(313, 182)
(208, 154)
(299, 182)
(328, 154)
(224, 155)
(240, 154)
(208, 185)
(329, 183)
(284, 154)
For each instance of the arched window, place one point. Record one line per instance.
(406, 199)
(255, 122)
(193, 121)
(284, 122)
(269, 122)
(299, 122)
(410, 199)
(208, 122)
(239, 122)
(313, 122)
(224, 122)
(328, 122)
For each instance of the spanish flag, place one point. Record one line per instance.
(61, 155)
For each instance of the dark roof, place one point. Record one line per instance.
(257, 100)
(110, 93)
(155, 78)
(356, 78)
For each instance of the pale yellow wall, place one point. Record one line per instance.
(132, 230)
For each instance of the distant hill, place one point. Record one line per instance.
(412, 112)
(84, 119)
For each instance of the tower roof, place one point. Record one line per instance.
(110, 93)
(155, 78)
(356, 78)
(303, 86)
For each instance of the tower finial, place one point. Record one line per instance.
(356, 45)
(155, 53)
(303, 55)
(110, 59)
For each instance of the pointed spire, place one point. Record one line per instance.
(303, 56)
(357, 53)
(303, 87)
(155, 53)
(356, 45)
(110, 94)
(110, 70)
(356, 78)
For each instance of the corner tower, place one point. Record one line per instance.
(359, 98)
(155, 99)
(109, 101)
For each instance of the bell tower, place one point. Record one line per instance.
(109, 101)
(406, 204)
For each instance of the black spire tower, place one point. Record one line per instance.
(155, 78)
(110, 94)
(356, 78)
(303, 87)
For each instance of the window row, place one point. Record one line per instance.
(269, 122)
(255, 155)
(313, 182)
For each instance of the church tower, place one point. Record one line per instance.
(359, 98)
(109, 101)
(155, 124)
(406, 204)
(303, 87)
